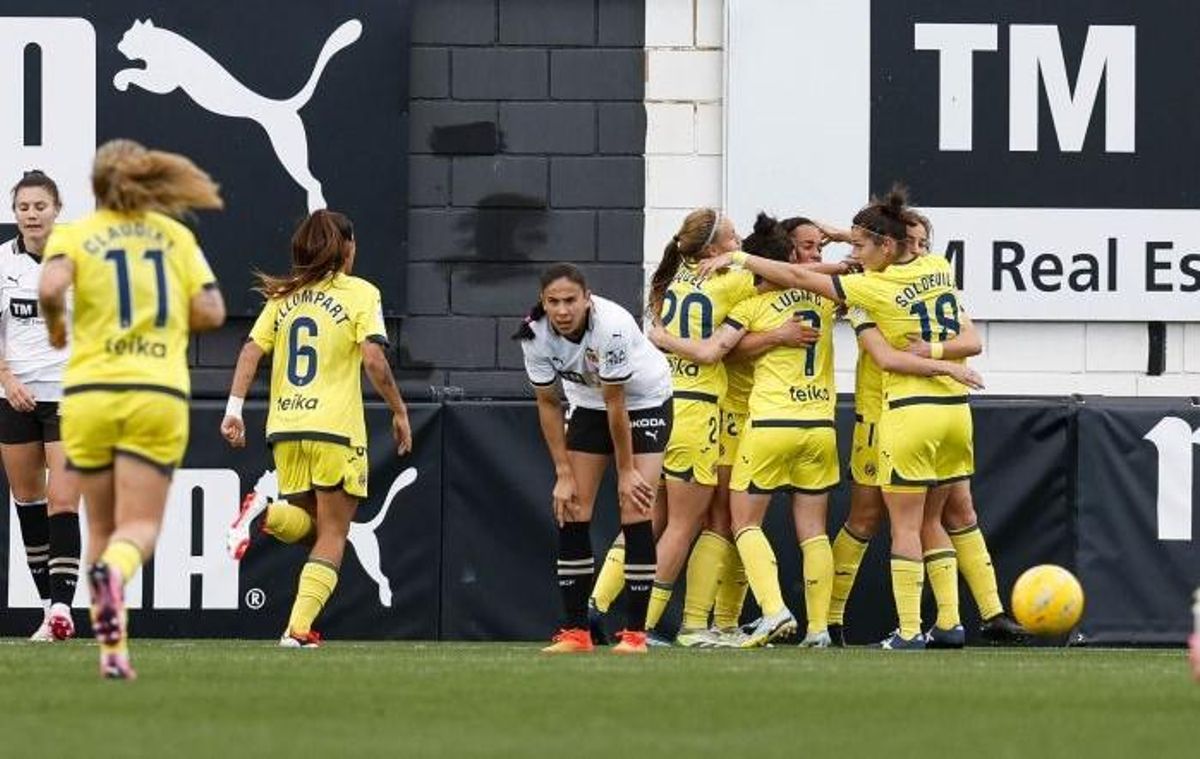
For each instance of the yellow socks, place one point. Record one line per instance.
(731, 594)
(288, 523)
(124, 557)
(660, 596)
(704, 569)
(317, 581)
(818, 581)
(761, 569)
(941, 566)
(611, 579)
(907, 582)
(975, 563)
(848, 550)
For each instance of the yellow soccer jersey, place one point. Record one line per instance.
(790, 383)
(135, 276)
(316, 334)
(868, 377)
(914, 298)
(739, 380)
(692, 308)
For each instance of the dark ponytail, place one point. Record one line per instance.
(769, 239)
(887, 217)
(537, 311)
(698, 231)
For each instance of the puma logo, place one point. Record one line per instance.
(653, 434)
(366, 542)
(173, 61)
(14, 280)
(362, 535)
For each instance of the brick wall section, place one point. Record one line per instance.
(526, 135)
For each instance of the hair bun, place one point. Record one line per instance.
(764, 224)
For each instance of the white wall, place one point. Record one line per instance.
(684, 82)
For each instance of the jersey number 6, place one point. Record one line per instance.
(296, 351)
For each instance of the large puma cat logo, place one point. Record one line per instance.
(175, 61)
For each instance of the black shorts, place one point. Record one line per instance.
(587, 430)
(37, 426)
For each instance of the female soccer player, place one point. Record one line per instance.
(691, 306)
(716, 579)
(31, 372)
(142, 285)
(925, 424)
(321, 326)
(619, 390)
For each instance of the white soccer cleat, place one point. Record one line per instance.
(60, 622)
(312, 639)
(43, 634)
(237, 540)
(771, 628)
(819, 639)
(696, 637)
(729, 637)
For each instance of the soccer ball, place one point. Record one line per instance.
(1047, 600)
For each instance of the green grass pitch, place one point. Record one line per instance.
(231, 699)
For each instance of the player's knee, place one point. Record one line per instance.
(959, 513)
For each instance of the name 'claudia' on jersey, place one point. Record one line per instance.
(100, 242)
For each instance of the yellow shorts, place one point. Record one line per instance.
(732, 425)
(924, 445)
(864, 454)
(693, 448)
(787, 456)
(144, 424)
(305, 465)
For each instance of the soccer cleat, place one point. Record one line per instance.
(60, 622)
(771, 628)
(43, 634)
(237, 540)
(631, 642)
(837, 635)
(894, 642)
(574, 640)
(1001, 630)
(955, 637)
(596, 624)
(655, 639)
(108, 605)
(696, 637)
(310, 639)
(115, 666)
(729, 637)
(818, 639)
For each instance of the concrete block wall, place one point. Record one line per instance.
(526, 134)
(684, 41)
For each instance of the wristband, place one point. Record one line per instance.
(739, 257)
(936, 350)
(233, 407)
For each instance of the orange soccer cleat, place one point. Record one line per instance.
(575, 640)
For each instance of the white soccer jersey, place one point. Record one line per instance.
(24, 342)
(613, 350)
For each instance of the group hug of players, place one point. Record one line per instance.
(728, 398)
